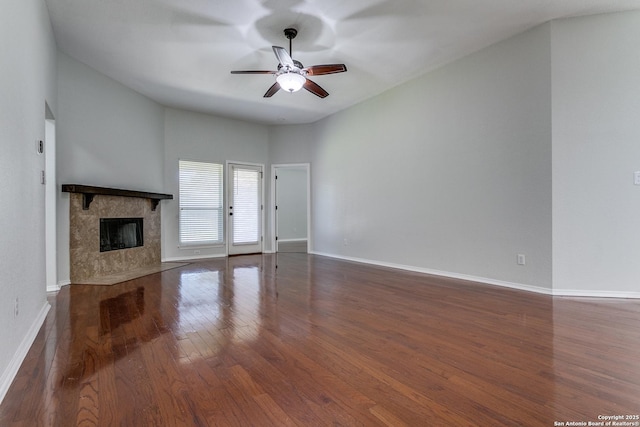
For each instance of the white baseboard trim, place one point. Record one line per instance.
(595, 293)
(61, 284)
(484, 280)
(291, 240)
(191, 258)
(9, 374)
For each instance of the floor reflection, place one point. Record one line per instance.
(200, 294)
(121, 309)
(221, 303)
(246, 307)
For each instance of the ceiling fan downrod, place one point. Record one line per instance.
(291, 34)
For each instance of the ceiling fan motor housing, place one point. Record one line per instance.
(298, 64)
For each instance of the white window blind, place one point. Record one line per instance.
(246, 205)
(201, 200)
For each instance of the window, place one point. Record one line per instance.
(201, 203)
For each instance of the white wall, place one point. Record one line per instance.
(27, 81)
(291, 143)
(596, 149)
(201, 137)
(107, 135)
(450, 172)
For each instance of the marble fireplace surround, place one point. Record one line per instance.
(89, 204)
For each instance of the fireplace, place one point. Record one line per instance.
(112, 231)
(121, 233)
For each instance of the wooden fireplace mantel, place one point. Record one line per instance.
(88, 192)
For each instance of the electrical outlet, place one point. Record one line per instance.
(16, 308)
(636, 178)
(346, 242)
(521, 259)
(196, 252)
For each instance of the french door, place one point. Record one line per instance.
(245, 208)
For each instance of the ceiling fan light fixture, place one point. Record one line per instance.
(291, 75)
(291, 81)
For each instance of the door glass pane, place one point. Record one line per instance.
(246, 207)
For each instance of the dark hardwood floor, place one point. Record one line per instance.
(322, 342)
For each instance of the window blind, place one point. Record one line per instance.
(201, 203)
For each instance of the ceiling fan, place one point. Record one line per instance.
(292, 75)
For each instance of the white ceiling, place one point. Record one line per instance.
(179, 52)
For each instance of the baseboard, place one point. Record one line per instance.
(191, 258)
(291, 240)
(9, 374)
(539, 290)
(595, 294)
(494, 282)
(58, 286)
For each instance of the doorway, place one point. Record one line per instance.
(245, 218)
(291, 197)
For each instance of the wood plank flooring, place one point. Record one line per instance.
(322, 342)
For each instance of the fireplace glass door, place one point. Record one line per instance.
(120, 233)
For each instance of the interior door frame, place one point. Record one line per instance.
(274, 224)
(227, 200)
(51, 197)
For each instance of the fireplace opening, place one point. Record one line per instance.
(120, 233)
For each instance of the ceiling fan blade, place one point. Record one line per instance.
(272, 90)
(253, 72)
(283, 56)
(315, 89)
(319, 70)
